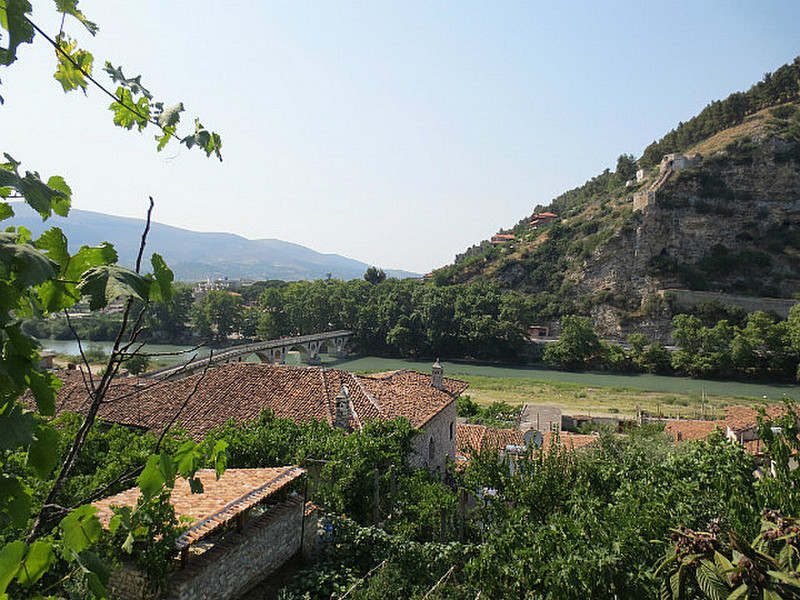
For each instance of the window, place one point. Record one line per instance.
(452, 429)
(431, 449)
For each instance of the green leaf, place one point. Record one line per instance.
(43, 453)
(188, 458)
(53, 243)
(20, 31)
(10, 558)
(15, 501)
(60, 204)
(91, 563)
(6, 211)
(70, 7)
(17, 427)
(38, 559)
(740, 592)
(23, 262)
(37, 194)
(170, 117)
(710, 581)
(134, 84)
(220, 457)
(88, 257)
(43, 387)
(195, 485)
(74, 64)
(128, 112)
(106, 283)
(210, 142)
(79, 529)
(785, 577)
(156, 474)
(161, 288)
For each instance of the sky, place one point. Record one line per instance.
(396, 133)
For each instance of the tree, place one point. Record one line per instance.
(219, 314)
(374, 275)
(577, 344)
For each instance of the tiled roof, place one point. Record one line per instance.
(479, 438)
(690, 429)
(745, 417)
(241, 391)
(223, 499)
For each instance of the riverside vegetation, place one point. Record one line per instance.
(632, 517)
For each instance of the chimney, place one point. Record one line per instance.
(437, 376)
(341, 417)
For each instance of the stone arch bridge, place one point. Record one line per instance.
(273, 351)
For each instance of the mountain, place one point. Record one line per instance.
(711, 221)
(195, 256)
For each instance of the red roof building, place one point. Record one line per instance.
(241, 391)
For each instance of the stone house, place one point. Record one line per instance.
(243, 527)
(241, 391)
(740, 425)
(474, 439)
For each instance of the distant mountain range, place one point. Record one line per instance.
(195, 256)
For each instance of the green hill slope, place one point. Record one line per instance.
(727, 223)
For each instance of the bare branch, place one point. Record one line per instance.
(185, 402)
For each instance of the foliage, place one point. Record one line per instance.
(373, 275)
(577, 345)
(775, 88)
(218, 314)
(41, 276)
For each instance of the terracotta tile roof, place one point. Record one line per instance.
(241, 391)
(691, 429)
(223, 499)
(745, 417)
(479, 438)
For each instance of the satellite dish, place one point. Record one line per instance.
(533, 437)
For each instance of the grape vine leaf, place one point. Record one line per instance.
(13, 18)
(37, 560)
(74, 64)
(70, 7)
(106, 283)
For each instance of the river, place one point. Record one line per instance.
(370, 364)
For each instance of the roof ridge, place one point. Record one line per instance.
(322, 373)
(367, 394)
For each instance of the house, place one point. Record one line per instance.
(241, 391)
(475, 439)
(241, 528)
(542, 219)
(740, 425)
(677, 162)
(502, 238)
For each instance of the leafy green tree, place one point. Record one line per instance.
(374, 275)
(577, 344)
(137, 364)
(218, 314)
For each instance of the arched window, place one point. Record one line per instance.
(452, 429)
(431, 449)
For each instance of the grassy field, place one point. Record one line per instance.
(589, 392)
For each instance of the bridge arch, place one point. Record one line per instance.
(273, 351)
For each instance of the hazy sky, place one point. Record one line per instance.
(397, 133)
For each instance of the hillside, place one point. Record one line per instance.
(195, 256)
(622, 245)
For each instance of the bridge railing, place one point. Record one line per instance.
(242, 349)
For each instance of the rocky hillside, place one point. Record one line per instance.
(721, 213)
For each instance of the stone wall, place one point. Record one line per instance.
(235, 563)
(441, 429)
(242, 559)
(687, 299)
